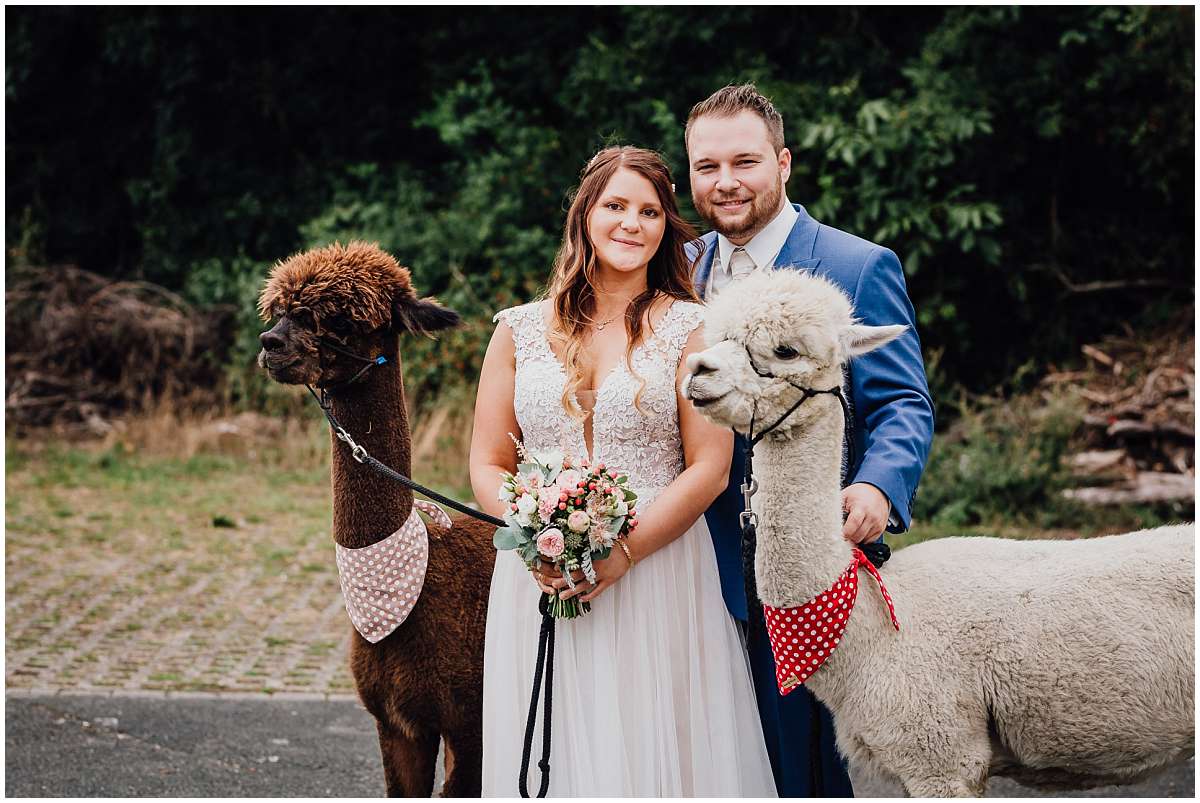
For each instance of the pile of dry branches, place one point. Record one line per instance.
(1139, 442)
(83, 349)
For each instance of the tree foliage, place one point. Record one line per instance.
(1015, 158)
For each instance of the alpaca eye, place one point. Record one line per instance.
(786, 353)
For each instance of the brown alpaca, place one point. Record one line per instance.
(424, 681)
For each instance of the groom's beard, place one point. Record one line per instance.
(762, 211)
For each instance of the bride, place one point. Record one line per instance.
(652, 689)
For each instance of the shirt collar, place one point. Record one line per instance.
(766, 245)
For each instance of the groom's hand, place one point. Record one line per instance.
(866, 510)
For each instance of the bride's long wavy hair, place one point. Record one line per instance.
(573, 279)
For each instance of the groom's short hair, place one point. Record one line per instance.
(730, 100)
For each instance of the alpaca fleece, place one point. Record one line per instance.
(358, 282)
(1058, 663)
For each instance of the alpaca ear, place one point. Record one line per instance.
(422, 316)
(859, 338)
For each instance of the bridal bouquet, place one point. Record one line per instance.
(566, 513)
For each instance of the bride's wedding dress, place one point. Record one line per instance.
(652, 690)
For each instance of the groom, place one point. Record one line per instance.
(739, 167)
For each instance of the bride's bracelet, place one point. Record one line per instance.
(625, 548)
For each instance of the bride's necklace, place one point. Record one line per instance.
(600, 326)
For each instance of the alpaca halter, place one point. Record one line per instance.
(747, 518)
(382, 582)
(370, 362)
(803, 637)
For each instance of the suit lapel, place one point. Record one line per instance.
(797, 251)
(704, 266)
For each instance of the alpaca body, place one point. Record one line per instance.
(1058, 663)
(338, 310)
(423, 682)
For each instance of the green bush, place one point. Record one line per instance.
(1001, 461)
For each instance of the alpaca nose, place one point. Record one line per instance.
(271, 340)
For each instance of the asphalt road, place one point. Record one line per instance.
(257, 746)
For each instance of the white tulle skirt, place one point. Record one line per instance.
(652, 689)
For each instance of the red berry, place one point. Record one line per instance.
(562, 505)
(513, 506)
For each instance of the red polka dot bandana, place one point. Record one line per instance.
(803, 638)
(381, 582)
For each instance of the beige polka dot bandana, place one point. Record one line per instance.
(803, 638)
(381, 582)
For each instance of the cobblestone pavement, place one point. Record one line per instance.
(170, 600)
(157, 611)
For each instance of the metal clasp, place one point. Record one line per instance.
(748, 515)
(357, 452)
(749, 491)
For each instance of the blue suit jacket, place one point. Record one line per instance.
(893, 412)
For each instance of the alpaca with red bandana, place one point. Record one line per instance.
(1061, 664)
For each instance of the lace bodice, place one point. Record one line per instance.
(646, 444)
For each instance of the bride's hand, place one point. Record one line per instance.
(608, 572)
(543, 575)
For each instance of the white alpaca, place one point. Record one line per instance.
(1057, 663)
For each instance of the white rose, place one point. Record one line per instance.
(526, 504)
(579, 521)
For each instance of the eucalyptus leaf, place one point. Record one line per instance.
(509, 538)
(528, 552)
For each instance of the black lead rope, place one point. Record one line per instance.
(545, 661)
(877, 553)
(360, 454)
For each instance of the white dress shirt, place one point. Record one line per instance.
(762, 248)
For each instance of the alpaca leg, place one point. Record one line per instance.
(464, 763)
(408, 761)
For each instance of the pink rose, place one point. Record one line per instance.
(569, 479)
(550, 543)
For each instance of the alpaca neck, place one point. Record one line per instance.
(367, 506)
(800, 550)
